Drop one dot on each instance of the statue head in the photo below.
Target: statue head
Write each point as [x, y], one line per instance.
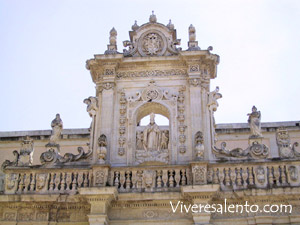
[254, 109]
[152, 118]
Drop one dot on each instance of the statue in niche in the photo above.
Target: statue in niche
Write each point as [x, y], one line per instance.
[139, 140]
[164, 139]
[57, 126]
[151, 135]
[254, 123]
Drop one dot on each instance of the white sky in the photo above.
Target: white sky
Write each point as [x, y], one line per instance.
[44, 46]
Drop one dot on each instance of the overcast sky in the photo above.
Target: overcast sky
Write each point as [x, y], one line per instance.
[44, 46]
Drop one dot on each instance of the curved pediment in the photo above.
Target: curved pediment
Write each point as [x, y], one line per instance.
[152, 39]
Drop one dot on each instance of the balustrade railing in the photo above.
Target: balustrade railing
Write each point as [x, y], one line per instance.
[230, 176]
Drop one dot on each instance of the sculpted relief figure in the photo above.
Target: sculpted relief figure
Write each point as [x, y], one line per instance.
[213, 99]
[254, 122]
[139, 140]
[164, 139]
[57, 126]
[91, 105]
[151, 135]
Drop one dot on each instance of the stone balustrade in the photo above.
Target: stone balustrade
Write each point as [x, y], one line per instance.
[230, 176]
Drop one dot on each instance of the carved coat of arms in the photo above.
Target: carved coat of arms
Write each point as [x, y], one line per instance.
[152, 44]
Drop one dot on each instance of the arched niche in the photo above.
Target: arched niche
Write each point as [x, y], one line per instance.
[161, 156]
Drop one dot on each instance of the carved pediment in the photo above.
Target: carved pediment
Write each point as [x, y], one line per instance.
[152, 39]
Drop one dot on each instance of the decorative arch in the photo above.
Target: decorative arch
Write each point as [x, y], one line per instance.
[154, 157]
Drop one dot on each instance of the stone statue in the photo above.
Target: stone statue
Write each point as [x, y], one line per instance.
[212, 99]
[254, 123]
[152, 134]
[92, 105]
[102, 150]
[57, 126]
[164, 140]
[139, 140]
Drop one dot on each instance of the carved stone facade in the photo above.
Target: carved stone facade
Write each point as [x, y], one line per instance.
[127, 173]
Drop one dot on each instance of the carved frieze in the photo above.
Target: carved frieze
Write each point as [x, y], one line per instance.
[151, 73]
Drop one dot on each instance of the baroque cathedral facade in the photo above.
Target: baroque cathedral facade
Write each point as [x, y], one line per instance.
[121, 172]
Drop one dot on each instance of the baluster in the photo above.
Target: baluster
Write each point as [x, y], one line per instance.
[90, 178]
[270, 175]
[283, 176]
[165, 178]
[232, 176]
[134, 179]
[177, 177]
[171, 179]
[57, 181]
[122, 180]
[245, 176]
[239, 176]
[277, 175]
[80, 179]
[32, 183]
[251, 178]
[139, 183]
[209, 175]
[117, 182]
[21, 183]
[26, 182]
[215, 175]
[74, 182]
[63, 182]
[51, 187]
[128, 181]
[221, 176]
[110, 178]
[68, 181]
[86, 180]
[183, 177]
[227, 178]
[159, 180]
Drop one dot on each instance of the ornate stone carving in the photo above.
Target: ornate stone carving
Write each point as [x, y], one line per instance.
[181, 119]
[260, 175]
[148, 180]
[92, 105]
[24, 158]
[101, 178]
[212, 104]
[286, 149]
[152, 93]
[293, 173]
[199, 174]
[112, 47]
[41, 180]
[57, 126]
[199, 147]
[122, 128]
[151, 73]
[53, 156]
[256, 151]
[254, 123]
[11, 182]
[195, 82]
[106, 86]
[102, 148]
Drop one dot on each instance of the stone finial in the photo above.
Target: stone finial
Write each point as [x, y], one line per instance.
[112, 47]
[192, 44]
[152, 18]
[135, 26]
[170, 25]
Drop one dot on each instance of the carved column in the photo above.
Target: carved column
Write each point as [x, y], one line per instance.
[200, 195]
[100, 199]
